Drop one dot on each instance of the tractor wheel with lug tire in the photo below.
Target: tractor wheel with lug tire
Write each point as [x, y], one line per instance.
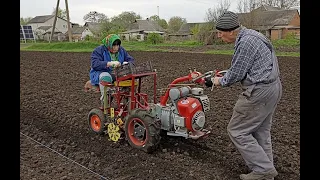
[142, 131]
[97, 121]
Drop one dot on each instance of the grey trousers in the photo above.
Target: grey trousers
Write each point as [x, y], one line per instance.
[250, 125]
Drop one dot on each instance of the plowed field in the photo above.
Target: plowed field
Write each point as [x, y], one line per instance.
[55, 141]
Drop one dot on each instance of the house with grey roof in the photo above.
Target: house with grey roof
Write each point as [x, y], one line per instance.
[93, 28]
[42, 26]
[79, 33]
[275, 23]
[140, 29]
[44, 33]
[186, 31]
[265, 7]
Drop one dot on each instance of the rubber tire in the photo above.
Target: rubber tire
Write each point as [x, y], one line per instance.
[153, 130]
[102, 119]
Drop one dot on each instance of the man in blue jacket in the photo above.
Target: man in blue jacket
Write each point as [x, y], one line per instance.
[105, 58]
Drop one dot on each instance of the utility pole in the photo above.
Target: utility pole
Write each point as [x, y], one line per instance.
[68, 19]
[158, 18]
[54, 21]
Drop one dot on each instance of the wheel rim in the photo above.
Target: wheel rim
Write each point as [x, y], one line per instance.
[95, 122]
[137, 132]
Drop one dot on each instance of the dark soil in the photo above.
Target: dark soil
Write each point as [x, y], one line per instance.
[54, 109]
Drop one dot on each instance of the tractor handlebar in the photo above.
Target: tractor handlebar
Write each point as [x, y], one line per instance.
[209, 73]
[199, 78]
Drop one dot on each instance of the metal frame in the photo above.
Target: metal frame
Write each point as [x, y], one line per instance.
[24, 34]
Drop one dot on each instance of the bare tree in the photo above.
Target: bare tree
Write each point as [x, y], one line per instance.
[62, 13]
[24, 21]
[245, 6]
[247, 16]
[213, 14]
[94, 16]
[285, 4]
[175, 23]
[206, 32]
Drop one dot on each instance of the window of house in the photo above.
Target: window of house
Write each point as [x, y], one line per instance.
[138, 36]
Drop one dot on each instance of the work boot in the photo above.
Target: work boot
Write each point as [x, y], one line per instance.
[259, 175]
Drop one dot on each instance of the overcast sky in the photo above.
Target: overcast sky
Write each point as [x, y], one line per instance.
[192, 10]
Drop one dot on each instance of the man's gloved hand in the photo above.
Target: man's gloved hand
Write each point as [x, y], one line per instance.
[208, 82]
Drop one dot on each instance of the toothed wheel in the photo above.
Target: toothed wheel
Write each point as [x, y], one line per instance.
[113, 132]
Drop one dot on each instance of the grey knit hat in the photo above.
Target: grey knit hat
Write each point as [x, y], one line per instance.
[228, 21]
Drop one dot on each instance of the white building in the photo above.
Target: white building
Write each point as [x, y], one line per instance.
[42, 26]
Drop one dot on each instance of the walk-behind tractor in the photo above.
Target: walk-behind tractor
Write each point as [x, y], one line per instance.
[127, 114]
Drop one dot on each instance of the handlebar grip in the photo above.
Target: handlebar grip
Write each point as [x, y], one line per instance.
[203, 75]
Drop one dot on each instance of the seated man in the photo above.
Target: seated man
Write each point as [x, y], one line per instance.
[104, 59]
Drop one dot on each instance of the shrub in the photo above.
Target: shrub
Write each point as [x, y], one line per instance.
[154, 38]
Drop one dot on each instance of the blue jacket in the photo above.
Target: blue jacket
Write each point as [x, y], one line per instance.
[99, 59]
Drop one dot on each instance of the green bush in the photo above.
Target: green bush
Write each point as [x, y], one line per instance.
[291, 36]
[154, 38]
[87, 38]
[289, 41]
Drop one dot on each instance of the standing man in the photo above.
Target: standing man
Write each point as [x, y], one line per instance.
[255, 65]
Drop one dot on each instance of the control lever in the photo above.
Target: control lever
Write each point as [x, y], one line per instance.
[212, 79]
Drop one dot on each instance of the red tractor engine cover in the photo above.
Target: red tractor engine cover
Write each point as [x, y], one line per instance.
[187, 107]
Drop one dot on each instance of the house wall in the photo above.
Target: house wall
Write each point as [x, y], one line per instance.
[136, 36]
[285, 32]
[133, 36]
[39, 33]
[77, 37]
[86, 32]
[295, 20]
[276, 34]
[282, 33]
[61, 24]
[124, 37]
[56, 37]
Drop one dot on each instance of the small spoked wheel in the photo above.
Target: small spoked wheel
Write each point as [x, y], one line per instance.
[97, 121]
[141, 130]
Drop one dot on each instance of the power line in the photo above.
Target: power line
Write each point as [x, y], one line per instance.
[102, 177]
